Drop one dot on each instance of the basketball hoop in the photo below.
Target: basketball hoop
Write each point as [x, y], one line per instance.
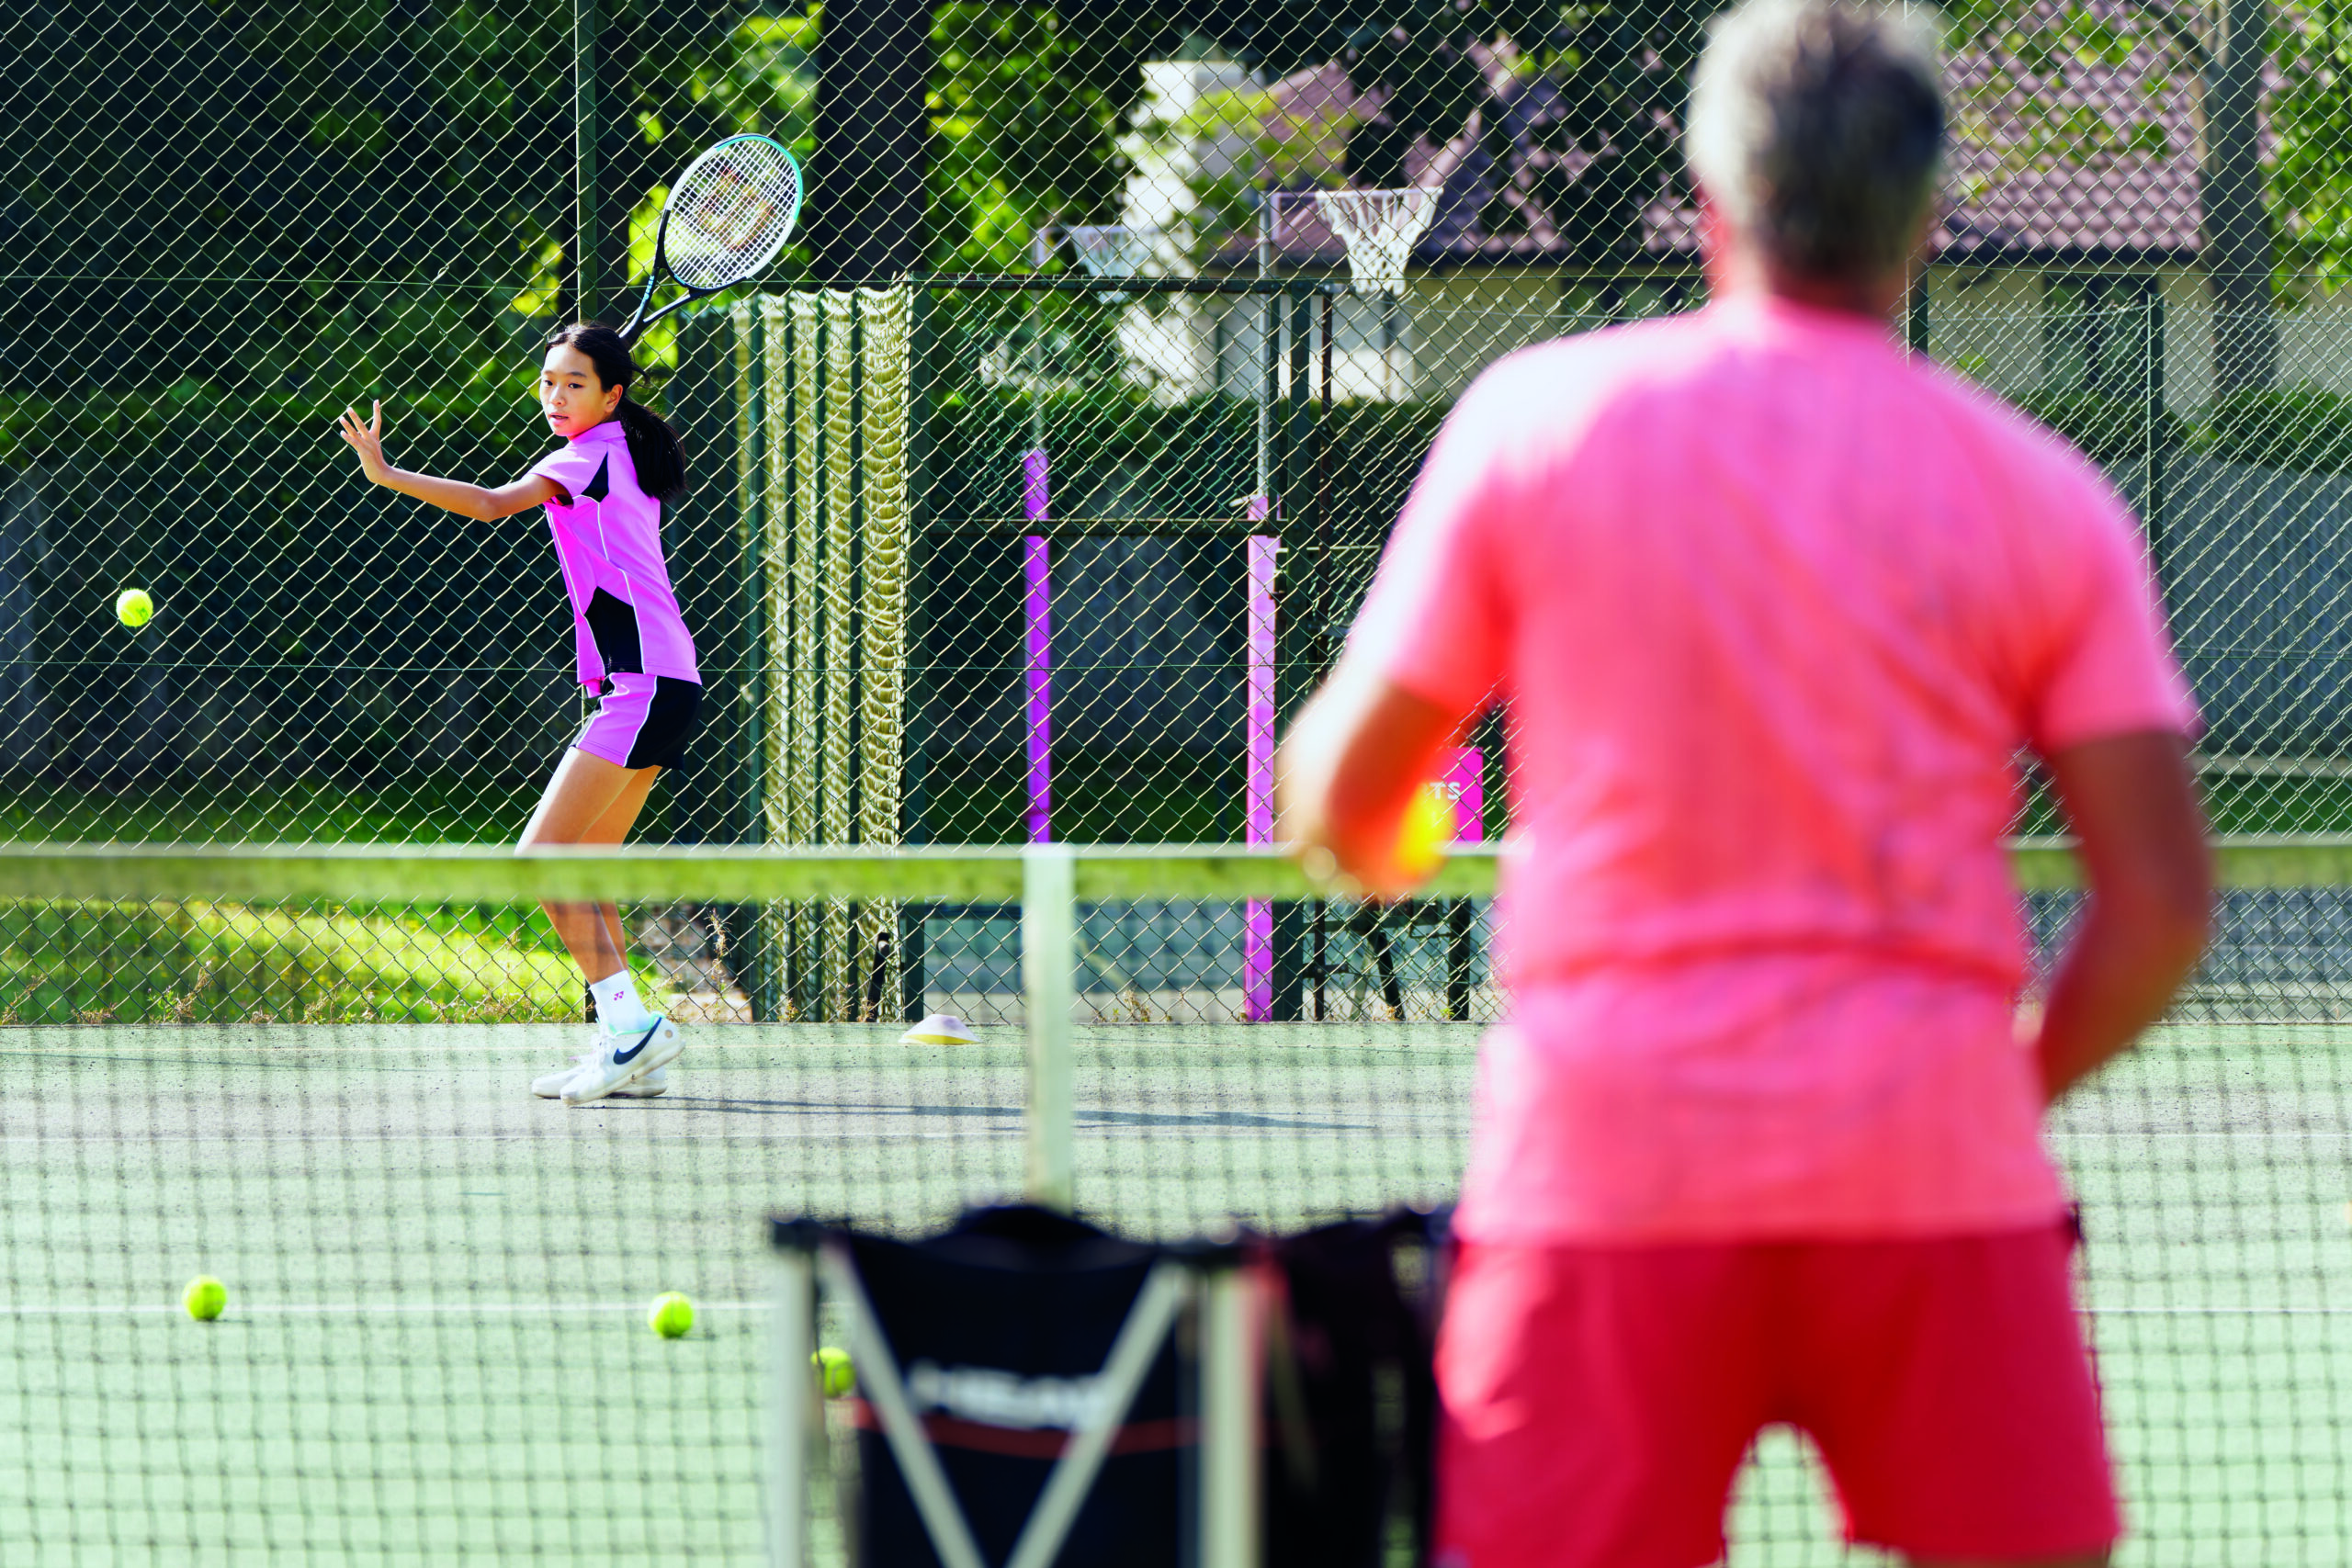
[1379, 228]
[1112, 249]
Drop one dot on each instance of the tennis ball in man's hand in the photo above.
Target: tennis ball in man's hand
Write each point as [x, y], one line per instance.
[1427, 827]
[205, 1299]
[133, 608]
[672, 1316]
[832, 1366]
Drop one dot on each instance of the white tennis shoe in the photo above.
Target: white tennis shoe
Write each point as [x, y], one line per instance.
[622, 1059]
[549, 1085]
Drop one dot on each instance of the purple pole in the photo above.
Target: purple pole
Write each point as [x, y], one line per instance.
[1258, 789]
[1037, 621]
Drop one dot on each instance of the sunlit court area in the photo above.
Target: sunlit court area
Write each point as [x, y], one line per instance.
[1185, 785]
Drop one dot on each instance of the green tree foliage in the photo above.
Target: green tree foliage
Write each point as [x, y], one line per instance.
[2311, 123]
[293, 196]
[1622, 72]
[1028, 103]
[299, 197]
[1599, 138]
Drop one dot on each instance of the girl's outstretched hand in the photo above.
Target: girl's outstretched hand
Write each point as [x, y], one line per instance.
[366, 438]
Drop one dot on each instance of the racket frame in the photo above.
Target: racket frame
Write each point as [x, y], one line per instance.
[639, 320]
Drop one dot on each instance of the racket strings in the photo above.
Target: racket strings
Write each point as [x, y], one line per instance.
[732, 212]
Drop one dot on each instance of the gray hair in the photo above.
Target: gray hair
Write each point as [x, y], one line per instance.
[1819, 127]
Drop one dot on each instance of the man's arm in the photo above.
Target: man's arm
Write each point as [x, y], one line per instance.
[2133, 806]
[1347, 769]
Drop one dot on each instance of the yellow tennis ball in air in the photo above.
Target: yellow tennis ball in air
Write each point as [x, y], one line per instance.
[833, 1367]
[205, 1298]
[672, 1316]
[133, 608]
[1427, 827]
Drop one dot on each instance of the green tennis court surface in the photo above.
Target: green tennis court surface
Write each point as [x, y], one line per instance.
[435, 1347]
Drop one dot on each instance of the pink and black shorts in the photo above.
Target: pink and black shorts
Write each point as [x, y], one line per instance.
[1597, 1400]
[643, 721]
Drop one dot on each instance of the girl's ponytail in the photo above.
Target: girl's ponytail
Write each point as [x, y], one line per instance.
[654, 450]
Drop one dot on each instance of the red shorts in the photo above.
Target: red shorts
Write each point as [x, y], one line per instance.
[1599, 1400]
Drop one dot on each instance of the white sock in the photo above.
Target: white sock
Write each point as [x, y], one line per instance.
[617, 1007]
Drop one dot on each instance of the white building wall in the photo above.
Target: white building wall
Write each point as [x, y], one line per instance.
[1986, 323]
[2315, 342]
[2188, 339]
[1160, 190]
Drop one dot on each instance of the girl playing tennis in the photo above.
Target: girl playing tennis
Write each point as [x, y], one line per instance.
[603, 491]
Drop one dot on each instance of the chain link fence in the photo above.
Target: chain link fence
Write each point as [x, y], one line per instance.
[221, 231]
[1032, 490]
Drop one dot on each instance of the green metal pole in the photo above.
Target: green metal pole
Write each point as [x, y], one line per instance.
[585, 132]
[914, 795]
[753, 930]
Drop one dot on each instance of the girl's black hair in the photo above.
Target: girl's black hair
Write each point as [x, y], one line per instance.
[654, 450]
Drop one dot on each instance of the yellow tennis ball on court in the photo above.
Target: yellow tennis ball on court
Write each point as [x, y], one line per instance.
[206, 1298]
[672, 1316]
[1427, 827]
[133, 608]
[833, 1367]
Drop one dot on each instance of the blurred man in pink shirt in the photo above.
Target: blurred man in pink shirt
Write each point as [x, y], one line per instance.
[1775, 608]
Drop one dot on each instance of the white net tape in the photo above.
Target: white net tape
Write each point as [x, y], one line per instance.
[1379, 228]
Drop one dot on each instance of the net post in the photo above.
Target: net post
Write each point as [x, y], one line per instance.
[1048, 959]
[792, 1342]
[1229, 1438]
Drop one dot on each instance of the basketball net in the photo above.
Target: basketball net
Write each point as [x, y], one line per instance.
[1110, 250]
[1379, 228]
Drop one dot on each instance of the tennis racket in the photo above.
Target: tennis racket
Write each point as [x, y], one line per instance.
[727, 217]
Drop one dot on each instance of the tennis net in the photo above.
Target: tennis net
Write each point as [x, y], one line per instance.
[306, 1071]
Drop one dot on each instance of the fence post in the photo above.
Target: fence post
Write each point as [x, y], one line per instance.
[1048, 958]
[748, 932]
[585, 132]
[914, 795]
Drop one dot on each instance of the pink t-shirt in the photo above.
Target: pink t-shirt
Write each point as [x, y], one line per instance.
[608, 541]
[1774, 607]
